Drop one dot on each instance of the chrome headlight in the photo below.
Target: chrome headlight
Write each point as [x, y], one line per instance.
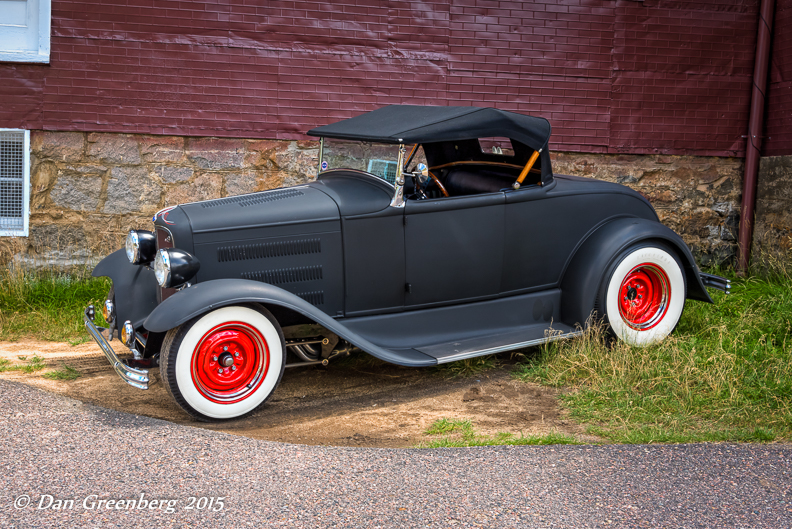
[174, 267]
[140, 246]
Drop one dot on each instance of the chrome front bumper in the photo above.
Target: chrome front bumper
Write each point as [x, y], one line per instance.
[134, 377]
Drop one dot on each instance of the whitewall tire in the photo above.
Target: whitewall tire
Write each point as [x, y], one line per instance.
[643, 296]
[225, 363]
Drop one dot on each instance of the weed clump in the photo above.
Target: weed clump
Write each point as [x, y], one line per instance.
[461, 433]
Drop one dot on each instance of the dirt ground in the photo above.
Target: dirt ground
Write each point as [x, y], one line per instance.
[353, 402]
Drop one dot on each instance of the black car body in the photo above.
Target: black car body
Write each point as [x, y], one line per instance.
[513, 256]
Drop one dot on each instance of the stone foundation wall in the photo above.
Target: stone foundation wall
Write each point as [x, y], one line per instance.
[773, 220]
[696, 196]
[89, 189]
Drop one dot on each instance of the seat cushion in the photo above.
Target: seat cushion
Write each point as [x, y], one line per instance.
[463, 181]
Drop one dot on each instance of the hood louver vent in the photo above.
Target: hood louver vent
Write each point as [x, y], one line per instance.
[266, 250]
[286, 275]
[250, 200]
[314, 298]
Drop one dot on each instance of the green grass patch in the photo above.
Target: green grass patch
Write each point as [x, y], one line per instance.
[48, 305]
[725, 374]
[468, 367]
[67, 373]
[32, 364]
[461, 433]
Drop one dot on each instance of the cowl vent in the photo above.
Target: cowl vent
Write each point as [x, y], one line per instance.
[256, 198]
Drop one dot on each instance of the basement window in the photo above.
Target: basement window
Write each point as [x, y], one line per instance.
[25, 30]
[14, 182]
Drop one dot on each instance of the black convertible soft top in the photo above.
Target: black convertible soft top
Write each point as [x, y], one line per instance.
[430, 124]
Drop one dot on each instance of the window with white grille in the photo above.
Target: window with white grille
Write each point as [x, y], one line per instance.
[25, 30]
[14, 182]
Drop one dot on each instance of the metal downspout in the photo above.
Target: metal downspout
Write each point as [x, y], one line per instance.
[754, 143]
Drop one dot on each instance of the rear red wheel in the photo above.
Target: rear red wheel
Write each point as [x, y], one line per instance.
[644, 294]
[223, 364]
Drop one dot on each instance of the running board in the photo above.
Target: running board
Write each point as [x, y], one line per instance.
[497, 343]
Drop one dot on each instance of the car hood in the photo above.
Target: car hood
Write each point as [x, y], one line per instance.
[279, 207]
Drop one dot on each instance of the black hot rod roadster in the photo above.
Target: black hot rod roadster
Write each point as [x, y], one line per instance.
[432, 234]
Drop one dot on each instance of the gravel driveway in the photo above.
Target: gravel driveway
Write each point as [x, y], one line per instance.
[55, 449]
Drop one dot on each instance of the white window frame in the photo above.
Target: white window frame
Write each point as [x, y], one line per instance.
[25, 188]
[42, 55]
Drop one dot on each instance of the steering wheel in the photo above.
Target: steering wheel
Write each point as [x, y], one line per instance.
[439, 184]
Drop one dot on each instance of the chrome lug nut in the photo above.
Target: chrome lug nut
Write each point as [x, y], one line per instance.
[233, 368]
[236, 354]
[225, 348]
[214, 359]
[220, 371]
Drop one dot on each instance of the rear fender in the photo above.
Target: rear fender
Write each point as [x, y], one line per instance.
[584, 275]
[209, 295]
[135, 287]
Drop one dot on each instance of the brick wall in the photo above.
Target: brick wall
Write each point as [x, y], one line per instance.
[613, 76]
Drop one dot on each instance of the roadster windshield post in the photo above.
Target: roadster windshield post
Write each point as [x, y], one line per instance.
[321, 154]
[398, 194]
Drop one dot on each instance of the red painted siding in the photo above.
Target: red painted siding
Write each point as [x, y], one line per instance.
[779, 92]
[612, 76]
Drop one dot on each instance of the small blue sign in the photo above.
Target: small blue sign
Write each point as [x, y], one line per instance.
[324, 166]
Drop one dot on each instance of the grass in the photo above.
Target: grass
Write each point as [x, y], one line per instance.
[724, 375]
[461, 433]
[48, 305]
[468, 367]
[67, 373]
[35, 363]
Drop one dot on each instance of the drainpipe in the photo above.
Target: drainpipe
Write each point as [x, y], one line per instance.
[754, 143]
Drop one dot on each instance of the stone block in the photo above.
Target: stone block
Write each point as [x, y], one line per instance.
[160, 149]
[171, 174]
[58, 146]
[113, 148]
[240, 183]
[203, 187]
[217, 153]
[131, 189]
[80, 193]
[48, 238]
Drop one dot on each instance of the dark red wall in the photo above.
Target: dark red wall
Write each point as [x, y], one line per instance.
[778, 128]
[612, 76]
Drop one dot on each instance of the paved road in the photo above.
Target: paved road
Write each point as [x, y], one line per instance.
[55, 449]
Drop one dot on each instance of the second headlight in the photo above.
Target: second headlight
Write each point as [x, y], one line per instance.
[140, 246]
[174, 267]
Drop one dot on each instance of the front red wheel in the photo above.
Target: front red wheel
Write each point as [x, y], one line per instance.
[230, 362]
[223, 364]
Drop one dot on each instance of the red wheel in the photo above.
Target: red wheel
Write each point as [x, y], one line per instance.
[223, 364]
[643, 296]
[230, 362]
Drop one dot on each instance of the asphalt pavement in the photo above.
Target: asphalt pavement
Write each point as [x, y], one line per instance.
[69, 464]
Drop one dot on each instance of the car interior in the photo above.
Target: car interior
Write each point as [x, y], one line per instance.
[469, 167]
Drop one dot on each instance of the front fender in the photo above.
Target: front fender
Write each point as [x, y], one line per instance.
[135, 287]
[210, 295]
[584, 274]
